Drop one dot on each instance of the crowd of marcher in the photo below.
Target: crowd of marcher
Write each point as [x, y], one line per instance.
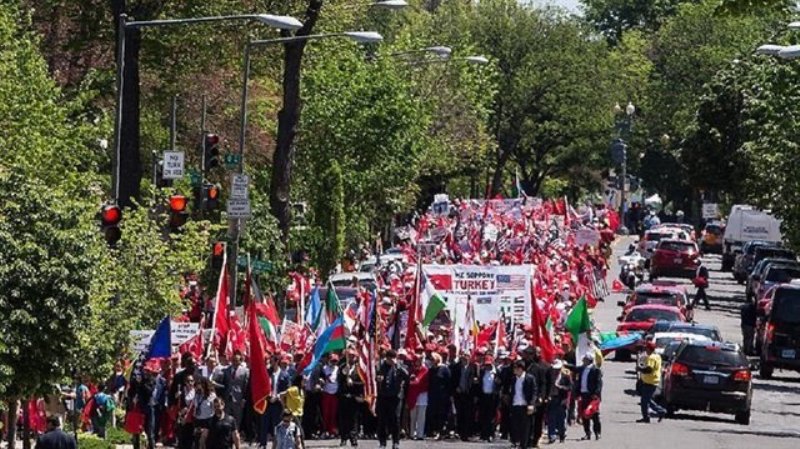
[529, 387]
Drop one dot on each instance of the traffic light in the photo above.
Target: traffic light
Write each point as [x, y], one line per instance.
[217, 255]
[211, 153]
[211, 196]
[177, 211]
[110, 217]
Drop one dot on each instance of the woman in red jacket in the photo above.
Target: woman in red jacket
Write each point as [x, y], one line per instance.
[417, 399]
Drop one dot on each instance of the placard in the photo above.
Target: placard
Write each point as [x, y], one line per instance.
[180, 332]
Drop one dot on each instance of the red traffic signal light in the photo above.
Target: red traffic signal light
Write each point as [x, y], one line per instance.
[211, 153]
[177, 203]
[217, 255]
[212, 193]
[111, 215]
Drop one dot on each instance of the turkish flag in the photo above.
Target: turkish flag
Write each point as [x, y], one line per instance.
[441, 281]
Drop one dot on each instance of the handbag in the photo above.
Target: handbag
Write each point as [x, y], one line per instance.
[591, 409]
[700, 282]
[134, 421]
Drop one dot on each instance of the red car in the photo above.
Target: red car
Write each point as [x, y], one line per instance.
[641, 318]
[663, 293]
[675, 258]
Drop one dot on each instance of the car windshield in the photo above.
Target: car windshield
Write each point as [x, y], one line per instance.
[680, 247]
[782, 275]
[710, 333]
[786, 308]
[655, 236]
[651, 315]
[712, 355]
[663, 298]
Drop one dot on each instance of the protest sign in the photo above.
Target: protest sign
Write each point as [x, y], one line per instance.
[180, 332]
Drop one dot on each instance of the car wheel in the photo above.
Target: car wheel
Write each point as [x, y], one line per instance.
[671, 411]
[743, 418]
[765, 371]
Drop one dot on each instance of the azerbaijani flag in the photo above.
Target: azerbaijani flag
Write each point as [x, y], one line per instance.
[332, 339]
[432, 301]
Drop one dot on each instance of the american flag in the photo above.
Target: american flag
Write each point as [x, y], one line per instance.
[366, 370]
[511, 281]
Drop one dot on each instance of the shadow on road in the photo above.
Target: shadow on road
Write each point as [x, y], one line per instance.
[760, 433]
[792, 388]
[703, 418]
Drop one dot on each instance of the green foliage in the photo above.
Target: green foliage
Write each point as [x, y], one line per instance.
[49, 253]
[92, 441]
[615, 17]
[116, 436]
[330, 217]
[262, 241]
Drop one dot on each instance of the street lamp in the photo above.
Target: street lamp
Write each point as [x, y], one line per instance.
[624, 123]
[438, 50]
[361, 37]
[275, 21]
[769, 49]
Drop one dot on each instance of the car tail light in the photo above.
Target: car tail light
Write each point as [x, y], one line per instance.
[770, 331]
[679, 369]
[742, 376]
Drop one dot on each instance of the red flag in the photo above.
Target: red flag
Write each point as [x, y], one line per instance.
[541, 337]
[193, 345]
[414, 312]
[221, 318]
[617, 286]
[260, 386]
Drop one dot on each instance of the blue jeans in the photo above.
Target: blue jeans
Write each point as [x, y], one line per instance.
[648, 391]
[556, 417]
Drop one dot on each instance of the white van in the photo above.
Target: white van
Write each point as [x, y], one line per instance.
[744, 224]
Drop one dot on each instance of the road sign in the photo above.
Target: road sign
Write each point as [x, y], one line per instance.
[258, 266]
[710, 210]
[238, 207]
[239, 185]
[195, 177]
[232, 160]
[173, 165]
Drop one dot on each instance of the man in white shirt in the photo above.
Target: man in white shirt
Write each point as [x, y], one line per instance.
[523, 400]
[488, 399]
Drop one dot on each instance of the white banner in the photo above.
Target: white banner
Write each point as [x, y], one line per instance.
[587, 236]
[489, 288]
[180, 332]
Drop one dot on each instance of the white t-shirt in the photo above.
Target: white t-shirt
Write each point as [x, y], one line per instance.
[331, 384]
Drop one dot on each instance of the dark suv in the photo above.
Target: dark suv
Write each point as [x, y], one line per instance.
[709, 376]
[778, 333]
[744, 261]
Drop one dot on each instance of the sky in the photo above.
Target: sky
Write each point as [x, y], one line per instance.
[571, 5]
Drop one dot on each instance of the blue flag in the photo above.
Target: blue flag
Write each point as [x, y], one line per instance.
[161, 342]
[321, 345]
[314, 309]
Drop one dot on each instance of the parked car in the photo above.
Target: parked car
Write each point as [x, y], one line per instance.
[712, 377]
[711, 238]
[675, 258]
[743, 263]
[755, 276]
[778, 330]
[774, 274]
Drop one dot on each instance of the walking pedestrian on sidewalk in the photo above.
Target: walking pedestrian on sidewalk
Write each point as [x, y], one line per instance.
[651, 378]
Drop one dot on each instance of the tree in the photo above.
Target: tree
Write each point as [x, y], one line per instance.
[330, 218]
[614, 17]
[49, 253]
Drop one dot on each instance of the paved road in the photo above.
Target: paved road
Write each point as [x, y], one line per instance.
[775, 421]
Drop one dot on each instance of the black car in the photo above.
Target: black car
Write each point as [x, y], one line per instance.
[757, 275]
[712, 377]
[706, 330]
[744, 261]
[778, 333]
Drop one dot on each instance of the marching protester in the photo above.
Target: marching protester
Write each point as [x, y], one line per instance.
[439, 399]
[487, 404]
[350, 392]
[223, 431]
[557, 405]
[523, 404]
[701, 282]
[417, 398]
[390, 379]
[588, 387]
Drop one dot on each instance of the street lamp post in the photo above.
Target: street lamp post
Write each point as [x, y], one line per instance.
[624, 123]
[280, 22]
[361, 37]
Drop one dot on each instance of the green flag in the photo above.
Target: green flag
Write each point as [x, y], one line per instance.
[578, 320]
[332, 304]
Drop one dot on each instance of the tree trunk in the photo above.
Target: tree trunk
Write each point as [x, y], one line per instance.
[288, 118]
[26, 428]
[12, 423]
[130, 162]
[497, 177]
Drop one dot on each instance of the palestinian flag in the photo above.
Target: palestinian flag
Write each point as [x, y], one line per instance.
[432, 300]
[332, 306]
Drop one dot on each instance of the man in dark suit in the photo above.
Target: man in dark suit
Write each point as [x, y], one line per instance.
[541, 372]
[588, 387]
[523, 404]
[55, 438]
